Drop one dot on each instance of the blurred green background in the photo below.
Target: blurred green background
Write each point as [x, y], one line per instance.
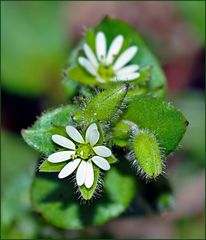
[36, 40]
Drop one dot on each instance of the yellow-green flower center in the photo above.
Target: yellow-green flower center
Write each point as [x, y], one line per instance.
[106, 72]
[84, 151]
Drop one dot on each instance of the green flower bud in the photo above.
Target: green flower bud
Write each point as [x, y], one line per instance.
[104, 106]
[148, 154]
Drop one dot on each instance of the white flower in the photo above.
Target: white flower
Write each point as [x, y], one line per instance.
[102, 65]
[83, 153]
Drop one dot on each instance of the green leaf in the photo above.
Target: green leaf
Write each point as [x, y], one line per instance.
[40, 140]
[33, 46]
[147, 153]
[88, 193]
[55, 117]
[46, 166]
[52, 122]
[54, 199]
[105, 105]
[161, 118]
[144, 58]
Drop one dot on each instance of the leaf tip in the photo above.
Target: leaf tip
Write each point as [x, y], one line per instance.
[186, 123]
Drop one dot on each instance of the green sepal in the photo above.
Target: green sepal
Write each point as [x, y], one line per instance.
[46, 166]
[87, 193]
[79, 74]
[112, 159]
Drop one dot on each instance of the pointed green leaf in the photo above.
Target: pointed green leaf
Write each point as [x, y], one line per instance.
[52, 122]
[56, 117]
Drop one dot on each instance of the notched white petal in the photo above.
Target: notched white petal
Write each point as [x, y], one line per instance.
[114, 49]
[89, 180]
[101, 162]
[92, 137]
[87, 65]
[63, 141]
[74, 134]
[92, 127]
[130, 77]
[101, 46]
[60, 156]
[127, 70]
[81, 173]
[69, 168]
[125, 57]
[102, 151]
[90, 55]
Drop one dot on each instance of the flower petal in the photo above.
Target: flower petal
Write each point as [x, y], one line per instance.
[127, 70]
[60, 156]
[74, 134]
[92, 137]
[101, 162]
[126, 77]
[102, 151]
[114, 49]
[89, 180]
[69, 168]
[81, 173]
[91, 127]
[90, 55]
[63, 141]
[87, 65]
[101, 46]
[125, 57]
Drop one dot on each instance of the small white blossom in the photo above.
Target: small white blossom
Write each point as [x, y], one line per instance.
[83, 152]
[103, 65]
